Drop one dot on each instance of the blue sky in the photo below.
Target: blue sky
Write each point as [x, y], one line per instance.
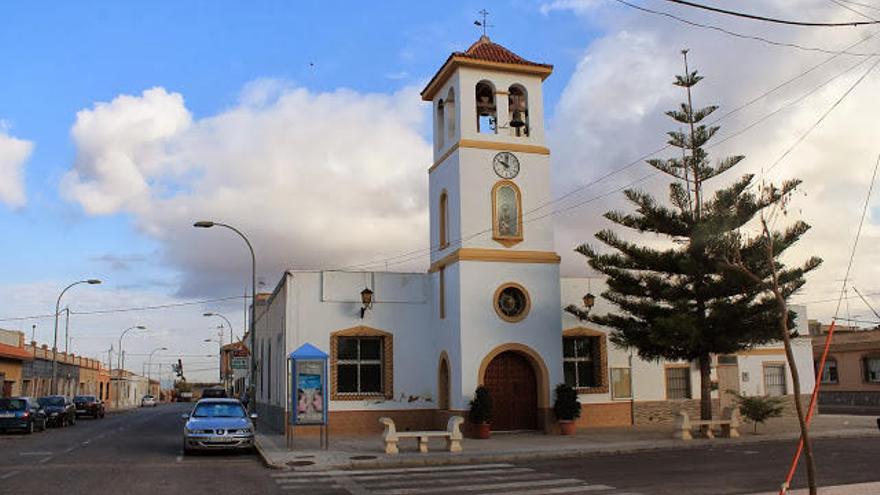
[60, 58]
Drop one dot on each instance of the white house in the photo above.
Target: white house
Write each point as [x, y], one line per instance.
[489, 309]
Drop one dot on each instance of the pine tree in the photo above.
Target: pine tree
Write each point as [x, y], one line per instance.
[683, 302]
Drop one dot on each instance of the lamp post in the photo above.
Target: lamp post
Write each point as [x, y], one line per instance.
[150, 363]
[205, 224]
[90, 281]
[231, 335]
[121, 361]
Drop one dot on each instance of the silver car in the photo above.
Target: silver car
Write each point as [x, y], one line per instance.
[218, 424]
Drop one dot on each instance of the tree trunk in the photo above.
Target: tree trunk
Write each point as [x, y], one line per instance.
[796, 385]
[705, 387]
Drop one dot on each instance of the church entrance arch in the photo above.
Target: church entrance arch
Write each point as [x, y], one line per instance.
[443, 384]
[513, 384]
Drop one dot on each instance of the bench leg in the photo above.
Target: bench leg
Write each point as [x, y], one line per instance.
[732, 432]
[391, 447]
[454, 445]
[423, 444]
[684, 434]
[707, 431]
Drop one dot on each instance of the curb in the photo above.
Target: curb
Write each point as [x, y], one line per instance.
[488, 457]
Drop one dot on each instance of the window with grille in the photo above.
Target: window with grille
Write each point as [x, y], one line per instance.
[872, 369]
[621, 386]
[774, 379]
[580, 361]
[678, 383]
[359, 365]
[829, 373]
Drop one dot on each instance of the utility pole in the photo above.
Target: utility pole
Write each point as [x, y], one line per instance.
[67, 330]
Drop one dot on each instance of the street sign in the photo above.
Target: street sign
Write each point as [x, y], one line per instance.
[239, 363]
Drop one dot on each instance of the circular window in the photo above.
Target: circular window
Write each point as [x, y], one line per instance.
[512, 302]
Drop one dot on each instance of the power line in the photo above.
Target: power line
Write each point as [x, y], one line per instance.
[847, 7]
[771, 19]
[744, 36]
[125, 310]
[872, 7]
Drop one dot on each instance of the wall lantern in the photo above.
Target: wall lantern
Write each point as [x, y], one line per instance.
[366, 300]
[589, 300]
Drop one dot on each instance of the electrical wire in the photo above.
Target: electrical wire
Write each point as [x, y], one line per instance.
[847, 7]
[743, 36]
[872, 7]
[771, 19]
[126, 310]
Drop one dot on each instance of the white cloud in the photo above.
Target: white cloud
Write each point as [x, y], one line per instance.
[14, 153]
[611, 112]
[314, 179]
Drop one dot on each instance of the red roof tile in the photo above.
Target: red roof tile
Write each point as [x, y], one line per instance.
[12, 352]
[486, 49]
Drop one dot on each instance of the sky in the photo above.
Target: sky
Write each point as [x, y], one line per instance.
[300, 123]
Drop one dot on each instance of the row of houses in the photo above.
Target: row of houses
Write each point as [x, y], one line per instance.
[27, 369]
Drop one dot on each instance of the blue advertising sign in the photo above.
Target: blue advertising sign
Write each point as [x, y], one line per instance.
[309, 394]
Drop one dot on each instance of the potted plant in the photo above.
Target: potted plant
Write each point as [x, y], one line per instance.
[566, 408]
[480, 412]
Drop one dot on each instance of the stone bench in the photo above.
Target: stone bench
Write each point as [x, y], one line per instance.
[452, 434]
[728, 425]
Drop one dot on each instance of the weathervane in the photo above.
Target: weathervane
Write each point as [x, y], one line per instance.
[483, 24]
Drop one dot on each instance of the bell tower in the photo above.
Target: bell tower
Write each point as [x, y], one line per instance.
[494, 270]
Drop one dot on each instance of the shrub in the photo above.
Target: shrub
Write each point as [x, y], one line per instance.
[566, 407]
[481, 406]
[758, 409]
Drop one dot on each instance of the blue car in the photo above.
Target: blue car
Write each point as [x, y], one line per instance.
[218, 424]
[21, 413]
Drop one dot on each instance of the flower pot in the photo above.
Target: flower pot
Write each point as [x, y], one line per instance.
[567, 427]
[482, 430]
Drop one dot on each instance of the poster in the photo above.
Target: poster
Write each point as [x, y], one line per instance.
[309, 392]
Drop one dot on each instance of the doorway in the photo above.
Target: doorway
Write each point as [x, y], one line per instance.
[512, 384]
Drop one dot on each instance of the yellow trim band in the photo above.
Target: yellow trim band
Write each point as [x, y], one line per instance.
[496, 255]
[490, 145]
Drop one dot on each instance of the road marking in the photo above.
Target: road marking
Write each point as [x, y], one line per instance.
[36, 453]
[45, 460]
[468, 467]
[8, 475]
[69, 450]
[426, 476]
[86, 442]
[451, 481]
[485, 486]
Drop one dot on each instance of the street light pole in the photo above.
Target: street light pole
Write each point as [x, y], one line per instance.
[54, 384]
[121, 361]
[253, 366]
[150, 365]
[231, 334]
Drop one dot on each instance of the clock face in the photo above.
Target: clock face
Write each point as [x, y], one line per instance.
[506, 165]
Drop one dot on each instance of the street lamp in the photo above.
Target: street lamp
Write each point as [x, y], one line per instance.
[231, 335]
[91, 281]
[121, 360]
[150, 363]
[206, 224]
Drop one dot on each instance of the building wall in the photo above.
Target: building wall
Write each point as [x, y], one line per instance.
[11, 371]
[852, 393]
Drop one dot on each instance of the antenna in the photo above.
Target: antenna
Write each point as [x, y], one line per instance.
[866, 302]
[483, 24]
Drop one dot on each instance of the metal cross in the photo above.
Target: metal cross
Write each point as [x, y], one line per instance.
[483, 23]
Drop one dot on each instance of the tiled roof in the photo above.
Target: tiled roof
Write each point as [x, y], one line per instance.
[485, 53]
[486, 49]
[17, 353]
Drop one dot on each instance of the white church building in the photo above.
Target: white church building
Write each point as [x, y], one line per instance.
[489, 309]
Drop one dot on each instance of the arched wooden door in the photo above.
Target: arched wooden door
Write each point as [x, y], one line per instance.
[513, 385]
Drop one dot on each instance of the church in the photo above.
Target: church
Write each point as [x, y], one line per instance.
[489, 310]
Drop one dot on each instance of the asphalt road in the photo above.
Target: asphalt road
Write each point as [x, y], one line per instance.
[742, 469]
[136, 452]
[139, 452]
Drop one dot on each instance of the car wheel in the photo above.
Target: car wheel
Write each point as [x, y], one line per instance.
[43, 425]
[73, 421]
[30, 428]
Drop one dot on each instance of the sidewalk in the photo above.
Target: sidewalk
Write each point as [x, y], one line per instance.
[366, 451]
[857, 489]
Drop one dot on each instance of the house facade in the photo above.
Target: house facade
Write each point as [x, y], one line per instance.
[489, 309]
[850, 381]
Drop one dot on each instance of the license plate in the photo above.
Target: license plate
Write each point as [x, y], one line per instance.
[222, 439]
[7, 415]
[80, 410]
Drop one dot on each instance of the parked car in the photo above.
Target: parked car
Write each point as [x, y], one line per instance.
[214, 393]
[218, 424]
[59, 410]
[21, 413]
[148, 401]
[88, 405]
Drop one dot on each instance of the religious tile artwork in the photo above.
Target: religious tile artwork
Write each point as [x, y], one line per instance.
[506, 206]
